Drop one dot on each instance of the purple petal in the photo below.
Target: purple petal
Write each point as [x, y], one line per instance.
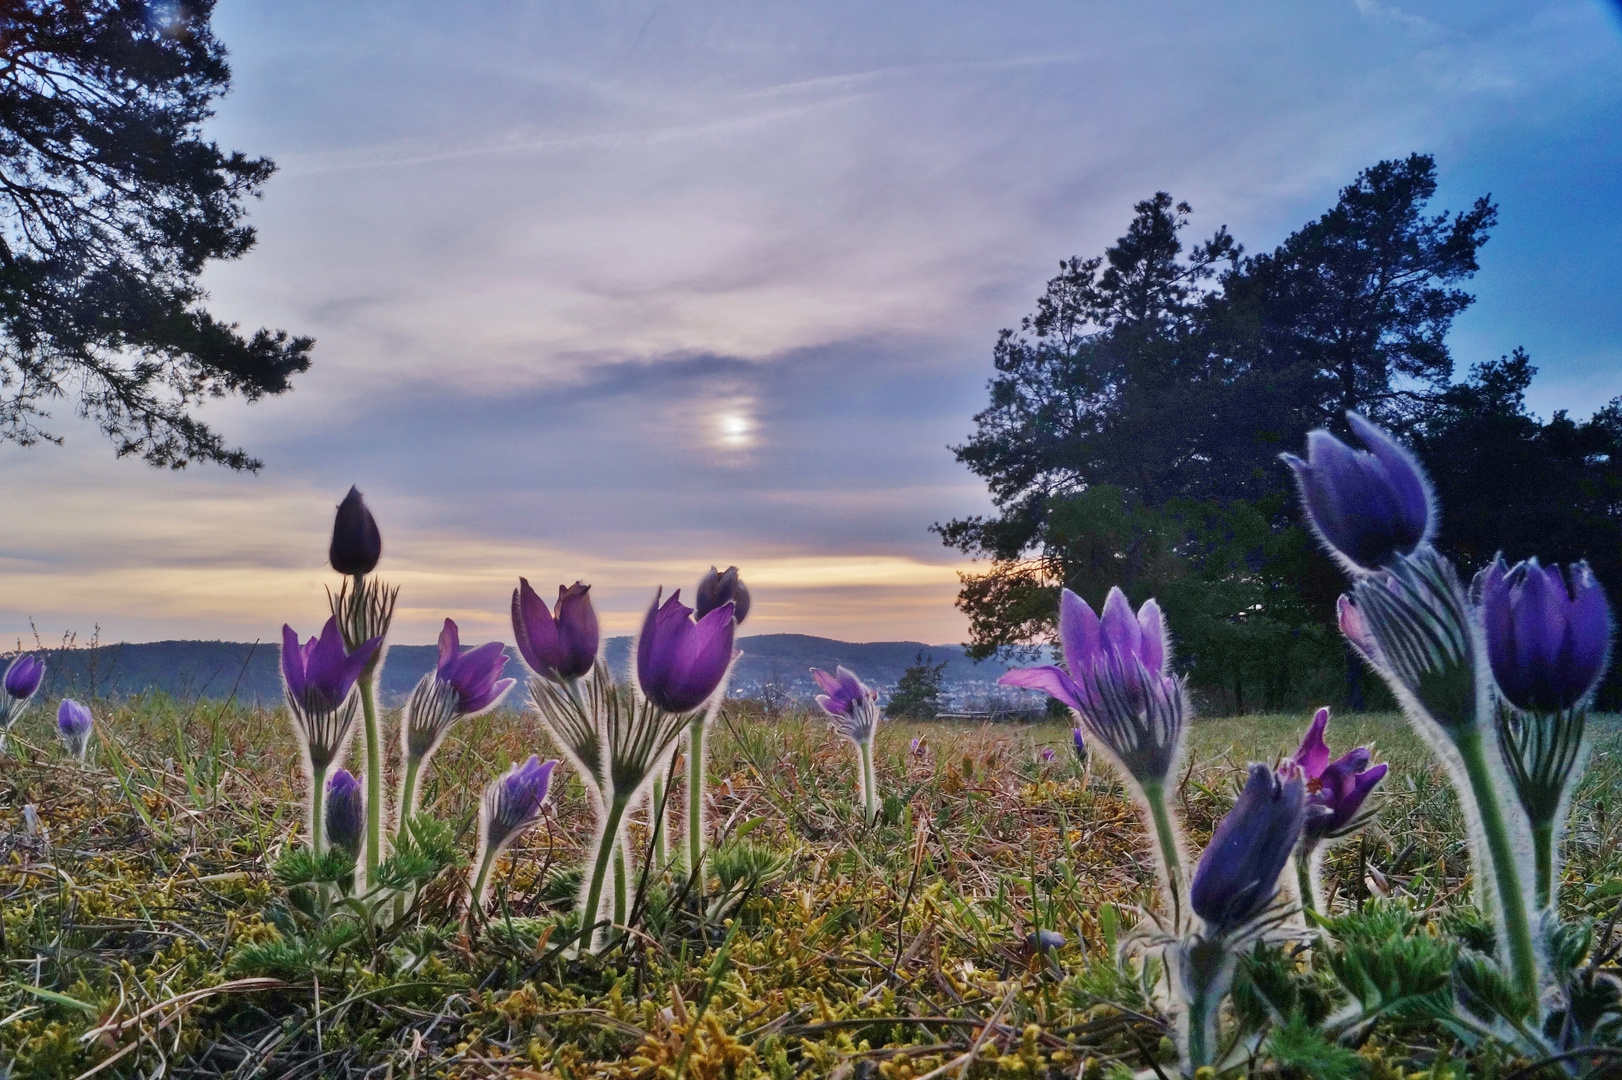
[292, 662]
[450, 646]
[537, 634]
[1079, 633]
[1053, 681]
[1122, 634]
[829, 683]
[1154, 637]
[1313, 754]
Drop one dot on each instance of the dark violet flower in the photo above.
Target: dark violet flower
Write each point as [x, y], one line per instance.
[556, 644]
[74, 724]
[23, 677]
[1048, 754]
[1369, 506]
[1237, 876]
[680, 662]
[320, 679]
[319, 673]
[356, 543]
[1336, 790]
[853, 708]
[512, 803]
[920, 746]
[346, 813]
[719, 588]
[1118, 681]
[475, 675]
[1079, 739]
[1547, 639]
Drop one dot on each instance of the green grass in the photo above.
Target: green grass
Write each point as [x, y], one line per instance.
[145, 924]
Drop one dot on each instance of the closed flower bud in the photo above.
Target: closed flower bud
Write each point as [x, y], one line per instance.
[356, 543]
[719, 588]
[73, 725]
[346, 813]
[1368, 507]
[560, 644]
[23, 677]
[680, 662]
[1237, 876]
[1547, 640]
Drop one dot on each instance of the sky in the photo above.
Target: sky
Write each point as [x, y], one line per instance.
[618, 291]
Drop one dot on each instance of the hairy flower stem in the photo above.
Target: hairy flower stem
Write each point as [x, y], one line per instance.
[870, 787]
[1543, 853]
[374, 780]
[318, 799]
[408, 789]
[1207, 970]
[599, 870]
[656, 811]
[1303, 877]
[1517, 931]
[621, 876]
[1154, 793]
[695, 803]
[475, 900]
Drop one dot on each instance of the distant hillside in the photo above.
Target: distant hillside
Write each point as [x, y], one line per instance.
[252, 673]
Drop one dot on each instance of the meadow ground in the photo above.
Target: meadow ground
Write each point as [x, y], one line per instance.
[145, 928]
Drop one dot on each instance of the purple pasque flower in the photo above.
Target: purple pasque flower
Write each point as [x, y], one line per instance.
[560, 644]
[512, 803]
[1369, 506]
[920, 746]
[23, 677]
[345, 813]
[320, 679]
[319, 673]
[475, 675]
[1548, 632]
[1048, 754]
[853, 708]
[73, 725]
[1118, 682]
[1237, 876]
[719, 588]
[679, 661]
[1336, 790]
[356, 544]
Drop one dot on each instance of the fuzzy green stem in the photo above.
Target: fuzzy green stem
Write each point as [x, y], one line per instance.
[695, 803]
[621, 877]
[374, 780]
[408, 789]
[1543, 852]
[656, 810]
[599, 870]
[1303, 877]
[475, 901]
[318, 798]
[870, 793]
[1517, 931]
[1154, 793]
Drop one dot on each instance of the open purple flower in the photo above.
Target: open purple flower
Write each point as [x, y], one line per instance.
[356, 544]
[1118, 681]
[853, 708]
[1237, 876]
[719, 588]
[319, 673]
[680, 662]
[345, 813]
[1336, 790]
[512, 803]
[560, 644]
[1547, 641]
[1369, 506]
[73, 725]
[475, 675]
[23, 677]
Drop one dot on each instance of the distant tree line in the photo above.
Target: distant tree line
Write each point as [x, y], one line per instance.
[1137, 414]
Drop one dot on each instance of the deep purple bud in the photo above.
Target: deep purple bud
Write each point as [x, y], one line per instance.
[346, 812]
[1118, 681]
[512, 803]
[1370, 506]
[679, 662]
[356, 543]
[1548, 642]
[475, 675]
[1048, 754]
[557, 644]
[1039, 941]
[1237, 876]
[23, 677]
[319, 673]
[1079, 739]
[1336, 790]
[73, 724]
[716, 589]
